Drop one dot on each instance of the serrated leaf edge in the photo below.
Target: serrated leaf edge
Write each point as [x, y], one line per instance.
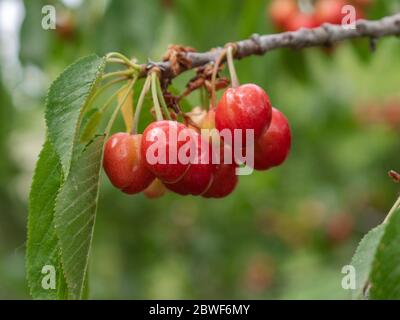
[29, 231]
[373, 259]
[100, 70]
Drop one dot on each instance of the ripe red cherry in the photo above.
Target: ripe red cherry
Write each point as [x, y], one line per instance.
[244, 107]
[273, 147]
[281, 11]
[160, 139]
[225, 178]
[300, 20]
[199, 176]
[329, 11]
[124, 164]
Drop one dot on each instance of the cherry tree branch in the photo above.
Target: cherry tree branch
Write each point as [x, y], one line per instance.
[325, 35]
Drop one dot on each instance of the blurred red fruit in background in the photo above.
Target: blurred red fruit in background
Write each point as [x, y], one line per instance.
[281, 11]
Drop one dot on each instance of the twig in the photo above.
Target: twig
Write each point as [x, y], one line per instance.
[257, 45]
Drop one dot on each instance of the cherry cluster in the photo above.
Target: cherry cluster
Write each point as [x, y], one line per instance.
[287, 16]
[129, 168]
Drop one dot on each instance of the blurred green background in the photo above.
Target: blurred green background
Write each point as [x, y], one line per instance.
[284, 233]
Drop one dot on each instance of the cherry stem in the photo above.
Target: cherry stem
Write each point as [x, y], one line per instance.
[105, 106]
[117, 60]
[120, 58]
[129, 88]
[145, 89]
[214, 78]
[157, 107]
[162, 100]
[104, 88]
[231, 67]
[392, 210]
[205, 102]
[126, 73]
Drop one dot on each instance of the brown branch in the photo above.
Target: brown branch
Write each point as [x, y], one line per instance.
[324, 35]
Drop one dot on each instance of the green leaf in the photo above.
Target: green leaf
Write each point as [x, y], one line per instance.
[385, 275]
[66, 100]
[75, 214]
[42, 243]
[89, 128]
[363, 258]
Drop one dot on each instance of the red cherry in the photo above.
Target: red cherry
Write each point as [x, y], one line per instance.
[199, 176]
[224, 182]
[329, 11]
[225, 178]
[160, 139]
[300, 20]
[124, 164]
[281, 11]
[273, 147]
[244, 107]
